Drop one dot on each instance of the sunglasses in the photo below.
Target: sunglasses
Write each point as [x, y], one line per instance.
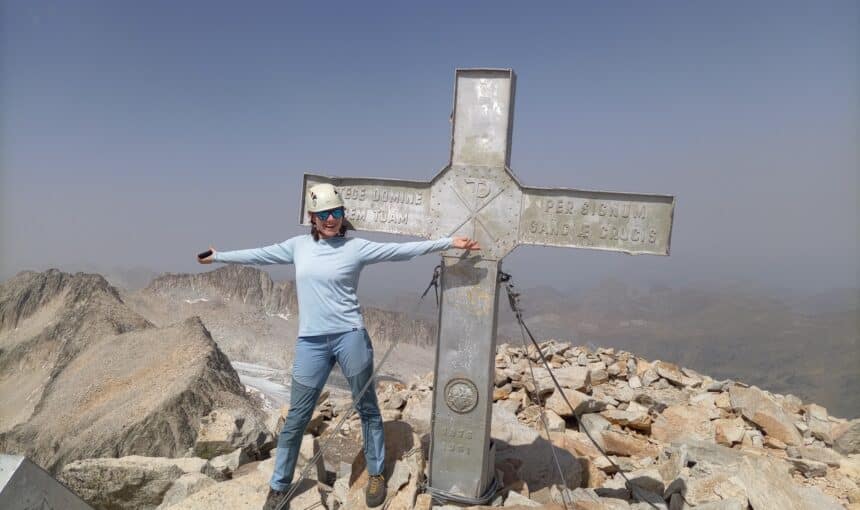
[337, 213]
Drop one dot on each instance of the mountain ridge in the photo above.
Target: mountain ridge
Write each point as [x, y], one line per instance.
[83, 375]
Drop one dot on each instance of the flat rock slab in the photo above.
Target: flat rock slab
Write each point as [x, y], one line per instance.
[117, 483]
[26, 486]
[760, 409]
[247, 493]
[682, 422]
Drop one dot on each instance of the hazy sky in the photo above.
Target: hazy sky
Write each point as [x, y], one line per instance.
[136, 133]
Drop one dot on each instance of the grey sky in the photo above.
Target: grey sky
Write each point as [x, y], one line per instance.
[135, 135]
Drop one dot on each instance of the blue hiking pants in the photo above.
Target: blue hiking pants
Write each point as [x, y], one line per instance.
[314, 359]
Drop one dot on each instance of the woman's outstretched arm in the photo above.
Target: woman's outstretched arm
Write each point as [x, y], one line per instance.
[280, 253]
[371, 253]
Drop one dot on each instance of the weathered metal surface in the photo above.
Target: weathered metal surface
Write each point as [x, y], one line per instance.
[625, 222]
[477, 202]
[460, 456]
[26, 486]
[483, 117]
[380, 205]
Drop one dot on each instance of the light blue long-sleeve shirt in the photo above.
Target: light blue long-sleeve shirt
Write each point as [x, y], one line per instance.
[327, 274]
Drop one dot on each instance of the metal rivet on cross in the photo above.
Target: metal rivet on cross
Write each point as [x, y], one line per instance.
[477, 196]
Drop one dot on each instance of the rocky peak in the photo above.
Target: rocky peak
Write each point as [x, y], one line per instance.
[81, 374]
[26, 292]
[244, 284]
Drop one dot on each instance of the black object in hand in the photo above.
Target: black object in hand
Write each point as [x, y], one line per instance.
[204, 254]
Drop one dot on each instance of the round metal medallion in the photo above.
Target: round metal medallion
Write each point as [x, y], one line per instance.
[461, 395]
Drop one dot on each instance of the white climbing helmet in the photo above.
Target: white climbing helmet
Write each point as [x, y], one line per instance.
[322, 197]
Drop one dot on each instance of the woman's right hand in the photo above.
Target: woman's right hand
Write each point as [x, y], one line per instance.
[210, 259]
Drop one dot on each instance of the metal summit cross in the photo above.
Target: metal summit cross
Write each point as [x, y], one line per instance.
[477, 195]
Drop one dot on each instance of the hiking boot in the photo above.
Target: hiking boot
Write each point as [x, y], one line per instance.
[274, 498]
[375, 493]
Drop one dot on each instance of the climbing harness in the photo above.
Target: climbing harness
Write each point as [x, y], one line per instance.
[434, 282]
[513, 301]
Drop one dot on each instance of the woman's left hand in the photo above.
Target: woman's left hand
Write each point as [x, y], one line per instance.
[465, 243]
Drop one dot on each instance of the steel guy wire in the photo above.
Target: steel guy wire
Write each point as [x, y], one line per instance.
[513, 300]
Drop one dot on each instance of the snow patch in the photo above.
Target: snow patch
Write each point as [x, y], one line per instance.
[285, 316]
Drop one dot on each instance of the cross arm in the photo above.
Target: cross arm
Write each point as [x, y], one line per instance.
[379, 205]
[624, 222]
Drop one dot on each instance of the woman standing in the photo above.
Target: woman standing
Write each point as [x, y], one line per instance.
[331, 328]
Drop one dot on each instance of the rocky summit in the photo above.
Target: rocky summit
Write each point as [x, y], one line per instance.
[131, 412]
[642, 434]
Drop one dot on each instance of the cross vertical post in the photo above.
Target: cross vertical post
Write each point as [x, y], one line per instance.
[461, 457]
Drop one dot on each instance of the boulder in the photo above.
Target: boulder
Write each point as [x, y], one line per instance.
[850, 467]
[757, 407]
[423, 502]
[395, 401]
[572, 377]
[128, 482]
[768, 485]
[772, 442]
[723, 401]
[812, 497]
[405, 481]
[227, 463]
[506, 427]
[619, 443]
[185, 486]
[707, 402]
[502, 392]
[599, 376]
[673, 464]
[808, 468]
[581, 403]
[649, 480]
[816, 453]
[554, 422]
[224, 430]
[683, 422]
[729, 431]
[847, 440]
[593, 425]
[819, 429]
[579, 444]
[516, 499]
[706, 452]
[673, 374]
[709, 483]
[649, 377]
[417, 411]
[634, 417]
